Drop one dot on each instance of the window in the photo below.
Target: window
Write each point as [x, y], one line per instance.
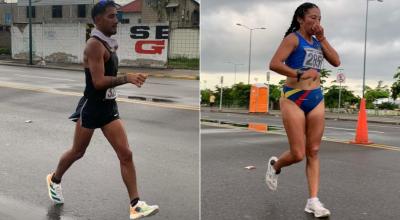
[81, 11]
[33, 11]
[152, 3]
[57, 11]
[195, 18]
[125, 21]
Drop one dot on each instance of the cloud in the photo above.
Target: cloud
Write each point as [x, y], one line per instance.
[343, 21]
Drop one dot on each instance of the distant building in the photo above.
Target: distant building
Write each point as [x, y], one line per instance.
[390, 100]
[131, 13]
[6, 11]
[54, 11]
[179, 13]
[60, 29]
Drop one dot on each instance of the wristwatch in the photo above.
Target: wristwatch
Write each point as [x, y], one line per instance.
[299, 72]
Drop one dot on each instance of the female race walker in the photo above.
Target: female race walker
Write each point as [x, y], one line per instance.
[300, 57]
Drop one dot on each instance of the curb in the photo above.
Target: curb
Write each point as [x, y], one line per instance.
[372, 121]
[327, 118]
[156, 75]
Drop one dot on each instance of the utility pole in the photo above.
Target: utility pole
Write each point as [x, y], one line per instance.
[30, 33]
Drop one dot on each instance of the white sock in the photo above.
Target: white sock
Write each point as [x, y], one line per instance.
[311, 200]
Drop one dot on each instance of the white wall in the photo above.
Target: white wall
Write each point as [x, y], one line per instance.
[65, 43]
[56, 43]
[184, 43]
[128, 55]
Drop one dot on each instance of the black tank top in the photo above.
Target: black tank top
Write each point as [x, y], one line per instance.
[110, 68]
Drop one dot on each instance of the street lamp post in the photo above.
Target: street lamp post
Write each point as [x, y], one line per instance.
[365, 45]
[251, 33]
[220, 97]
[235, 68]
[340, 71]
[30, 31]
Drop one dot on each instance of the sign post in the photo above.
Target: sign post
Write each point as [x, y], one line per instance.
[341, 79]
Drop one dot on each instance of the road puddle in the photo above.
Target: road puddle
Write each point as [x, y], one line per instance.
[159, 100]
[252, 126]
[12, 209]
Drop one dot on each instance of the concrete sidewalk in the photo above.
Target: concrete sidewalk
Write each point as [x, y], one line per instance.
[328, 115]
[153, 72]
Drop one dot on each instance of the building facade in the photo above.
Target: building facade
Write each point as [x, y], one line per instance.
[179, 13]
[61, 28]
[54, 11]
[131, 13]
[6, 12]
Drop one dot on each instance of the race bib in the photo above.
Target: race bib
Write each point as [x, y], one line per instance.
[313, 58]
[111, 93]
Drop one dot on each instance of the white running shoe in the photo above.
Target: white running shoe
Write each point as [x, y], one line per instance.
[54, 190]
[271, 178]
[317, 208]
[141, 209]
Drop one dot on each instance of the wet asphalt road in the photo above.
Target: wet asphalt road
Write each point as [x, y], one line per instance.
[386, 134]
[357, 182]
[168, 90]
[165, 150]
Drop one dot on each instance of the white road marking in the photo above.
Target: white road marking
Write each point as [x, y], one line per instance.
[126, 100]
[221, 130]
[44, 77]
[350, 129]
[380, 146]
[384, 126]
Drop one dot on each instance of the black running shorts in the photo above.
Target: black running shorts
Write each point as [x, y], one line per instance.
[95, 113]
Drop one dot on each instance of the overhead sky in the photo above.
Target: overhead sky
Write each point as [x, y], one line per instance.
[122, 2]
[343, 20]
[127, 1]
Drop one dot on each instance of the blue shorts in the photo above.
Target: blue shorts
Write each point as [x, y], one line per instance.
[307, 100]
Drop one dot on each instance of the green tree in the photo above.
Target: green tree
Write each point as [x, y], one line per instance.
[240, 94]
[396, 85]
[387, 105]
[331, 97]
[227, 100]
[205, 96]
[282, 83]
[395, 90]
[372, 95]
[380, 86]
[274, 95]
[324, 75]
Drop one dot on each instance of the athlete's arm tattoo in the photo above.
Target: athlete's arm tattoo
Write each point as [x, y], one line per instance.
[119, 80]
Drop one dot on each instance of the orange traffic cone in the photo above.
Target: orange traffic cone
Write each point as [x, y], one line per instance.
[362, 126]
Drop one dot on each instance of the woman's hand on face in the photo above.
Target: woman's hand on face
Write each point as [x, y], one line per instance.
[318, 31]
